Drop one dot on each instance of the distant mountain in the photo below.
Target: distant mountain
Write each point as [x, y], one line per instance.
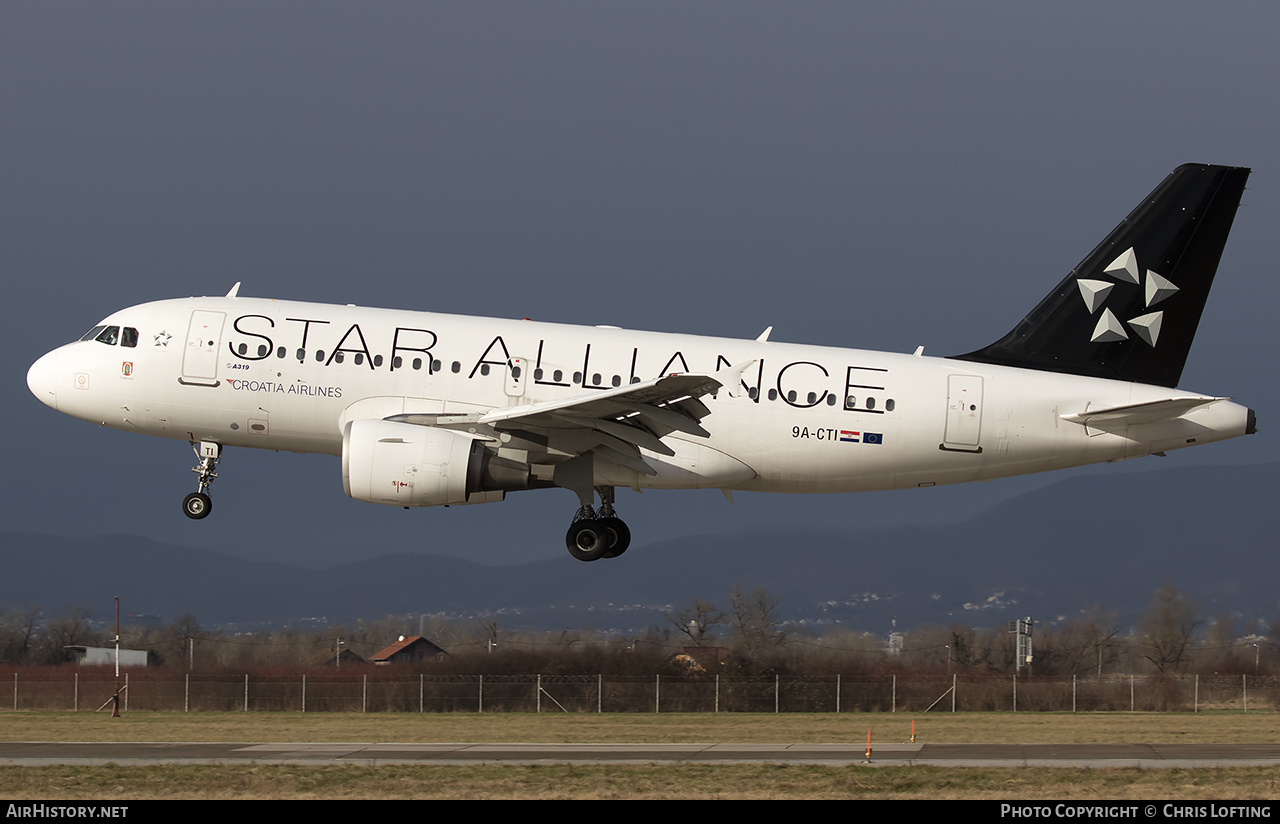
[1110, 539]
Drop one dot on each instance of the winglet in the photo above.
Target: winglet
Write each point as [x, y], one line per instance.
[730, 378]
[764, 336]
[234, 289]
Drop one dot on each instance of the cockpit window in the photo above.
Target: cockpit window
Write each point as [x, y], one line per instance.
[109, 336]
[92, 333]
[129, 336]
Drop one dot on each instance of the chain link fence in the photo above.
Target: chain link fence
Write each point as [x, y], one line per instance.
[389, 691]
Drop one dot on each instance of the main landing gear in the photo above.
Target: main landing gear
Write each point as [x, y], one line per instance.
[198, 505]
[598, 533]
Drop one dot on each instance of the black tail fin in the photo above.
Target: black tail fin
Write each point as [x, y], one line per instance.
[1130, 309]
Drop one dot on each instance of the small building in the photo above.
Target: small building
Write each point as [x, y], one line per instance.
[702, 659]
[344, 657]
[106, 656]
[408, 650]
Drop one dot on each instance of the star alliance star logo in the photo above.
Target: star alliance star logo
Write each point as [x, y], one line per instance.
[162, 339]
[1125, 269]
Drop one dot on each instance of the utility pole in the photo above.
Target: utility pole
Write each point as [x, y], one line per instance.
[115, 699]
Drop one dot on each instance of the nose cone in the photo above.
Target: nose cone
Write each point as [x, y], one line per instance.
[42, 379]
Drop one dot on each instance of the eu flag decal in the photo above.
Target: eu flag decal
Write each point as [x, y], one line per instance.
[872, 437]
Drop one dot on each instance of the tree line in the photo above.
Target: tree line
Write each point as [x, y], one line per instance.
[746, 633]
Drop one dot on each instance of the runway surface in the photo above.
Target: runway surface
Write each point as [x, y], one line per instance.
[37, 753]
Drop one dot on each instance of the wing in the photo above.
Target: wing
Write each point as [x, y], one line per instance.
[614, 423]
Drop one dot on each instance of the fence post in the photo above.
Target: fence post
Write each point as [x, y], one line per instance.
[538, 694]
[126, 692]
[1015, 691]
[364, 693]
[1133, 704]
[422, 685]
[717, 691]
[246, 692]
[304, 692]
[1197, 693]
[837, 693]
[15, 691]
[186, 693]
[657, 692]
[953, 691]
[480, 696]
[894, 695]
[75, 694]
[777, 690]
[599, 693]
[1073, 692]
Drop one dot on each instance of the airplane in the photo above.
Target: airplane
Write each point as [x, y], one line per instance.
[429, 409]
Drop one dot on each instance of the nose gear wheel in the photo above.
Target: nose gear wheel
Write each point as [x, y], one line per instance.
[198, 504]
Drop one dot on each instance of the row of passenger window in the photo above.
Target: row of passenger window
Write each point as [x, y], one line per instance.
[869, 404]
[435, 365]
[850, 401]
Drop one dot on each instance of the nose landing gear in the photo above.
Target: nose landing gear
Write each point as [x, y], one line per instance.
[198, 505]
[598, 534]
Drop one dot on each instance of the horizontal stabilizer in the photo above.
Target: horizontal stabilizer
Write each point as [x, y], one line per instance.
[1135, 413]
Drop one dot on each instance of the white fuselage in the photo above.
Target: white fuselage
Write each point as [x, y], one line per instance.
[288, 376]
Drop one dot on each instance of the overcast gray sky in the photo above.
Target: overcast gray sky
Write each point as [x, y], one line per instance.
[872, 175]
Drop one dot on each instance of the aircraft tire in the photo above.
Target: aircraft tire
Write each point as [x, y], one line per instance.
[585, 540]
[617, 536]
[197, 505]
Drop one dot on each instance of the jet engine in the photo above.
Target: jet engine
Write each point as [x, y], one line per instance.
[403, 464]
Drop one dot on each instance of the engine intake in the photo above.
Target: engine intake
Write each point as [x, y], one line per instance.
[402, 464]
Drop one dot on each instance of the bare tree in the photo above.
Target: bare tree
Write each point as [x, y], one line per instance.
[697, 621]
[971, 648]
[1085, 643]
[72, 629]
[17, 633]
[1166, 628]
[754, 618]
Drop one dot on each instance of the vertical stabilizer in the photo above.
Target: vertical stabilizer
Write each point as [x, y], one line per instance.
[1130, 309]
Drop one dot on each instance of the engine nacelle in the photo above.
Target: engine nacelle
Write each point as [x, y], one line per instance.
[402, 464]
